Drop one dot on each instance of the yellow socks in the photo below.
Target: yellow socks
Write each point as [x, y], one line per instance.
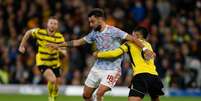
[55, 91]
[50, 88]
[52, 91]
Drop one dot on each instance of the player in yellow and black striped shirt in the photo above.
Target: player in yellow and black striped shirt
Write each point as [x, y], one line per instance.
[145, 77]
[47, 58]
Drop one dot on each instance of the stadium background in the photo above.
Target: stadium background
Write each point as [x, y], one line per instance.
[174, 26]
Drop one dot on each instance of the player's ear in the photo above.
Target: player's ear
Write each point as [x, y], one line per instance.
[134, 34]
[99, 19]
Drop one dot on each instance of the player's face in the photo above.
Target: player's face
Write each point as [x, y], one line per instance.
[94, 22]
[138, 34]
[52, 25]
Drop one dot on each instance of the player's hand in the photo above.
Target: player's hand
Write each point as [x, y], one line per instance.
[95, 54]
[52, 46]
[21, 49]
[148, 54]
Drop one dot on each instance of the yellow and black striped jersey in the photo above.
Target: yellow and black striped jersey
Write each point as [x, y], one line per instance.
[47, 56]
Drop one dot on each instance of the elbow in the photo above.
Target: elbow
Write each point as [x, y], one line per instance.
[64, 54]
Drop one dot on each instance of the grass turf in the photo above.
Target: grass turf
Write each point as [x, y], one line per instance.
[12, 97]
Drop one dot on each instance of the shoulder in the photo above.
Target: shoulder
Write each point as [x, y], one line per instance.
[59, 34]
[92, 33]
[34, 29]
[147, 44]
[44, 31]
[128, 43]
[111, 27]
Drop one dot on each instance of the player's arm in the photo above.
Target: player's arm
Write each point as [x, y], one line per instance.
[69, 44]
[62, 50]
[74, 43]
[148, 53]
[86, 39]
[135, 40]
[111, 53]
[24, 40]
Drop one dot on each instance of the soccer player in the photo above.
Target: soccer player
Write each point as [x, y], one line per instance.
[105, 72]
[47, 58]
[145, 77]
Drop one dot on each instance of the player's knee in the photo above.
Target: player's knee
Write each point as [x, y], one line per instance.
[100, 93]
[58, 81]
[134, 98]
[53, 80]
[86, 95]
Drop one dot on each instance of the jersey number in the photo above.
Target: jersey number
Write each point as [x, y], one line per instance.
[110, 78]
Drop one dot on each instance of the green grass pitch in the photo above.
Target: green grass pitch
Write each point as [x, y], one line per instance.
[12, 97]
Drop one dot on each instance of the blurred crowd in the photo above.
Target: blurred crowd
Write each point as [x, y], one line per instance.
[174, 26]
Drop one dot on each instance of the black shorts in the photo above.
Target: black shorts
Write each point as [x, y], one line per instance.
[146, 83]
[56, 71]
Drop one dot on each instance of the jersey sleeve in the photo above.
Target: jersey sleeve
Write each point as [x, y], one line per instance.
[113, 53]
[89, 38]
[148, 45]
[34, 32]
[118, 33]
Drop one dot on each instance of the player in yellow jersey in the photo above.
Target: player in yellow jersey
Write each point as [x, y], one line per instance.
[145, 77]
[47, 59]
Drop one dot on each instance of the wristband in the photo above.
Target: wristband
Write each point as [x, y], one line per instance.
[144, 48]
[69, 44]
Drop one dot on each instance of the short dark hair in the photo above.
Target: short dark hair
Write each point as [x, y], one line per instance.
[143, 31]
[97, 12]
[53, 17]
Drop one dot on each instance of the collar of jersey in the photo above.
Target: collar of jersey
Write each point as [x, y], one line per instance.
[105, 29]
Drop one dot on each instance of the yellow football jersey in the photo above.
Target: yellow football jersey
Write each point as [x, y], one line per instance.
[45, 55]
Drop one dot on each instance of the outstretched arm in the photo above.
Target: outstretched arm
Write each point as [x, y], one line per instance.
[74, 43]
[111, 53]
[24, 40]
[62, 50]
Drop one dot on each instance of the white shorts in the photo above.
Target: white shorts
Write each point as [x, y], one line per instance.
[104, 77]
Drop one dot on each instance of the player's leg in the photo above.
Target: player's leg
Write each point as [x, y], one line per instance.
[108, 80]
[55, 92]
[87, 93]
[132, 98]
[101, 91]
[91, 84]
[56, 87]
[135, 95]
[51, 78]
[137, 88]
[155, 98]
[155, 87]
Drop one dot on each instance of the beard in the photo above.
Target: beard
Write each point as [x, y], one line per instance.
[98, 28]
